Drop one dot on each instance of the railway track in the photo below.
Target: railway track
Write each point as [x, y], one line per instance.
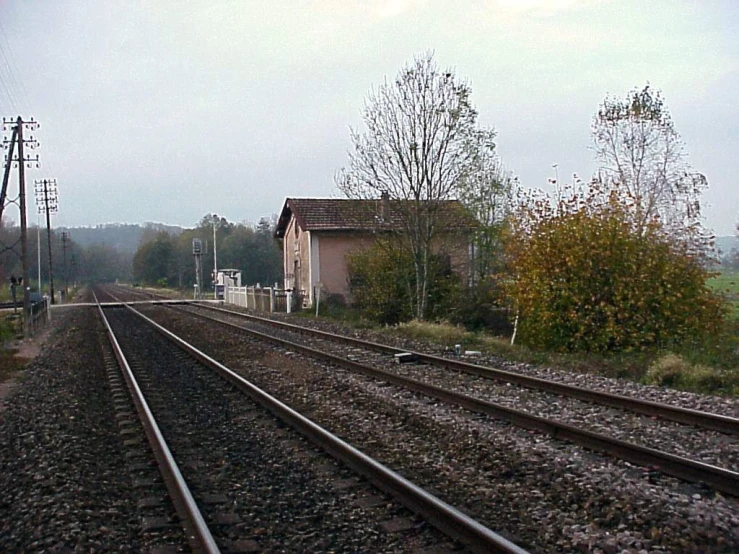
[223, 421]
[716, 422]
[724, 479]
[717, 469]
[547, 495]
[728, 424]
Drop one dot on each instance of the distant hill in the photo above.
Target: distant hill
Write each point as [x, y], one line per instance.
[123, 237]
[725, 244]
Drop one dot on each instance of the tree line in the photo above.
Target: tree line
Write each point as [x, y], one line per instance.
[615, 262]
[161, 255]
[72, 262]
[166, 259]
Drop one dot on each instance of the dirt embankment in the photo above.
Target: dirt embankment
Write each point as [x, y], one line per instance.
[14, 358]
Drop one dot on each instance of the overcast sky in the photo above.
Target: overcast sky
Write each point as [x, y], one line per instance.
[167, 110]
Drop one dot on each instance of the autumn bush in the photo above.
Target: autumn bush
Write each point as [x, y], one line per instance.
[587, 277]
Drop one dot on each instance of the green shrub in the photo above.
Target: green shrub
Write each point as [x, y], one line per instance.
[382, 284]
[8, 328]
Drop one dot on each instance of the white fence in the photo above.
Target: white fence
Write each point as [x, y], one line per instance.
[260, 299]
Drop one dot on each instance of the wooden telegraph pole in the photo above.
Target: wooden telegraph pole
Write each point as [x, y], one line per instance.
[46, 198]
[20, 161]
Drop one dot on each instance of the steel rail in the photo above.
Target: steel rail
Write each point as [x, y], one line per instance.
[196, 529]
[441, 515]
[707, 420]
[721, 479]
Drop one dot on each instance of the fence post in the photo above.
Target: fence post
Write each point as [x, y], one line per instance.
[271, 299]
[289, 296]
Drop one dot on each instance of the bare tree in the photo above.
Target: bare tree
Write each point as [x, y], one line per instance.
[638, 149]
[414, 150]
[487, 189]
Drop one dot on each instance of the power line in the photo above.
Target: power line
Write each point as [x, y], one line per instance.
[15, 80]
[8, 94]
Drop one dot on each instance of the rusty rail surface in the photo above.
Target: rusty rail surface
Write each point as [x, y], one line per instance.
[721, 479]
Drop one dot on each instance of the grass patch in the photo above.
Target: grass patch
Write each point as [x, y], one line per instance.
[674, 371]
[727, 284]
[439, 333]
[338, 312]
[726, 281]
[9, 362]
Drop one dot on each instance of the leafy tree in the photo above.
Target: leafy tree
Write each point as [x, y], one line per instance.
[587, 274]
[268, 262]
[255, 252]
[153, 261]
[639, 150]
[165, 256]
[92, 263]
[416, 150]
[379, 281]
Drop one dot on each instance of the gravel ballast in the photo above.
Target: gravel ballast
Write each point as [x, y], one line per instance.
[709, 447]
[548, 495]
[64, 486]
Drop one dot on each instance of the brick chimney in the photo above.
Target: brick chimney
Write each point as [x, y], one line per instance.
[384, 207]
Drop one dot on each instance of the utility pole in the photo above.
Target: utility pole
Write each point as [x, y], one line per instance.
[10, 145]
[38, 248]
[215, 260]
[197, 252]
[65, 241]
[20, 162]
[46, 197]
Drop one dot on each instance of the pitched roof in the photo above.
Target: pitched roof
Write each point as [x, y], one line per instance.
[337, 214]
